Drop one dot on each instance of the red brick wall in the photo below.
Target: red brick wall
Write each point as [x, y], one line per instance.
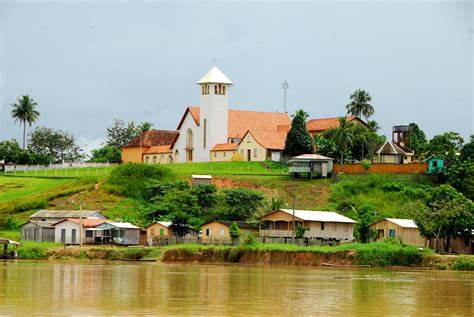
[356, 168]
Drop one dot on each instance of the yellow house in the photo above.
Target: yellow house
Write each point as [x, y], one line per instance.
[223, 152]
[161, 154]
[404, 229]
[152, 140]
[262, 145]
[218, 230]
[162, 229]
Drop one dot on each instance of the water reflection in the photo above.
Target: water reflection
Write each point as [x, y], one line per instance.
[191, 289]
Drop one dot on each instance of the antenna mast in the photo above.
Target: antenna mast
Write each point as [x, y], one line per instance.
[285, 86]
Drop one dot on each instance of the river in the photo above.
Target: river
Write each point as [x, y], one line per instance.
[130, 288]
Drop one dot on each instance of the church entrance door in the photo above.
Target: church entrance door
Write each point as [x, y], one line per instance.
[189, 154]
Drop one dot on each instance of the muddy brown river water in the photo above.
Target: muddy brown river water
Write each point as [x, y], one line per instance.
[29, 288]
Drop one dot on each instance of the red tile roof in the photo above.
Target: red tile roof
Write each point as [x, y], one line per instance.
[195, 113]
[271, 140]
[158, 149]
[86, 223]
[154, 138]
[225, 147]
[323, 124]
[240, 121]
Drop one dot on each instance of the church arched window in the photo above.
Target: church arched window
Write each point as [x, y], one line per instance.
[189, 138]
[223, 89]
[215, 90]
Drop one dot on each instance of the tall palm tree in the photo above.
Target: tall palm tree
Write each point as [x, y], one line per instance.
[344, 136]
[359, 104]
[24, 110]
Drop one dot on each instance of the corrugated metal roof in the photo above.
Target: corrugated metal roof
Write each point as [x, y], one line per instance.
[122, 225]
[67, 214]
[321, 216]
[215, 76]
[404, 223]
[164, 223]
[310, 157]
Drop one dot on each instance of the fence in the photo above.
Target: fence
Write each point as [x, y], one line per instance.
[383, 168]
[162, 241]
[64, 169]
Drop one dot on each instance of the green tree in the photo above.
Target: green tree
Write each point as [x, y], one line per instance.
[365, 216]
[119, 134]
[145, 126]
[179, 224]
[234, 230]
[206, 195]
[105, 154]
[10, 151]
[359, 104]
[300, 230]
[460, 175]
[242, 203]
[445, 145]
[298, 141]
[343, 137]
[24, 110]
[57, 144]
[467, 151]
[418, 141]
[448, 214]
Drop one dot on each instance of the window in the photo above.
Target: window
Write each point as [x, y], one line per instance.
[162, 232]
[215, 90]
[391, 233]
[154, 159]
[63, 235]
[89, 234]
[189, 138]
[215, 154]
[435, 164]
[223, 89]
[73, 235]
[224, 153]
[254, 152]
[221, 233]
[322, 226]
[208, 232]
[204, 133]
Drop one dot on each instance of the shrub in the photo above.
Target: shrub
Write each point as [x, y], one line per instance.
[300, 231]
[464, 263]
[249, 239]
[234, 231]
[131, 179]
[366, 164]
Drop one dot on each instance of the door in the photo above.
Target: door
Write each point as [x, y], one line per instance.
[73, 236]
[63, 235]
[249, 155]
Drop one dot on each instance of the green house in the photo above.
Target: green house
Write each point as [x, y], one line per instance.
[435, 164]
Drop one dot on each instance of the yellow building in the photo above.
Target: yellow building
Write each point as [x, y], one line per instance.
[404, 229]
[223, 152]
[218, 230]
[150, 144]
[161, 154]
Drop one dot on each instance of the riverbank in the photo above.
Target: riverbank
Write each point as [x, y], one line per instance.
[354, 254]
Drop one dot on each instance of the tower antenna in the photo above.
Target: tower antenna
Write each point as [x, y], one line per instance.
[285, 86]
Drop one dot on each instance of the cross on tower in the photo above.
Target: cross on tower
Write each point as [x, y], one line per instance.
[285, 86]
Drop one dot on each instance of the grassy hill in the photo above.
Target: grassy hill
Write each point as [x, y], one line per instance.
[391, 195]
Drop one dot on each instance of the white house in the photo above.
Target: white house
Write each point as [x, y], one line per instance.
[72, 231]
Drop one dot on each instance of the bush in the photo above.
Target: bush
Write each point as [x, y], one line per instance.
[464, 263]
[366, 164]
[300, 231]
[234, 231]
[132, 179]
[249, 239]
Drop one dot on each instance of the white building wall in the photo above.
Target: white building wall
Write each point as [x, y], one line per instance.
[68, 225]
[215, 109]
[198, 154]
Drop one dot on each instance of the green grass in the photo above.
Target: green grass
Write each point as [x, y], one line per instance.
[464, 263]
[373, 254]
[227, 168]
[10, 234]
[35, 250]
[65, 172]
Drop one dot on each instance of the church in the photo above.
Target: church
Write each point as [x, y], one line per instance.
[211, 132]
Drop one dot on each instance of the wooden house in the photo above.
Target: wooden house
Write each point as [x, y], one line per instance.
[404, 229]
[435, 164]
[313, 165]
[76, 231]
[39, 231]
[218, 230]
[162, 229]
[326, 225]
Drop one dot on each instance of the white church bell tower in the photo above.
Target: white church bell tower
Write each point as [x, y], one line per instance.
[214, 109]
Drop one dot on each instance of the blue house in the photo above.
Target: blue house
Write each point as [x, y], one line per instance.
[435, 164]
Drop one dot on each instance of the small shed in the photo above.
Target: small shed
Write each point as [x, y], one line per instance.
[118, 233]
[311, 165]
[404, 229]
[201, 179]
[218, 230]
[37, 230]
[435, 164]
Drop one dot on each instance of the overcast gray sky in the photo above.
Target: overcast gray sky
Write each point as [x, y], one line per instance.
[91, 61]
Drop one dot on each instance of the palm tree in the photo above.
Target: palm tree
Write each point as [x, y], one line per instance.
[25, 112]
[373, 126]
[344, 136]
[145, 126]
[359, 104]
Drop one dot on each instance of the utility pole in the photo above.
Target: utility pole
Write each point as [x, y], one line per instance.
[294, 203]
[285, 86]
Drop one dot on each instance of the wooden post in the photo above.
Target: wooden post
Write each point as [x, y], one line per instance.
[294, 203]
